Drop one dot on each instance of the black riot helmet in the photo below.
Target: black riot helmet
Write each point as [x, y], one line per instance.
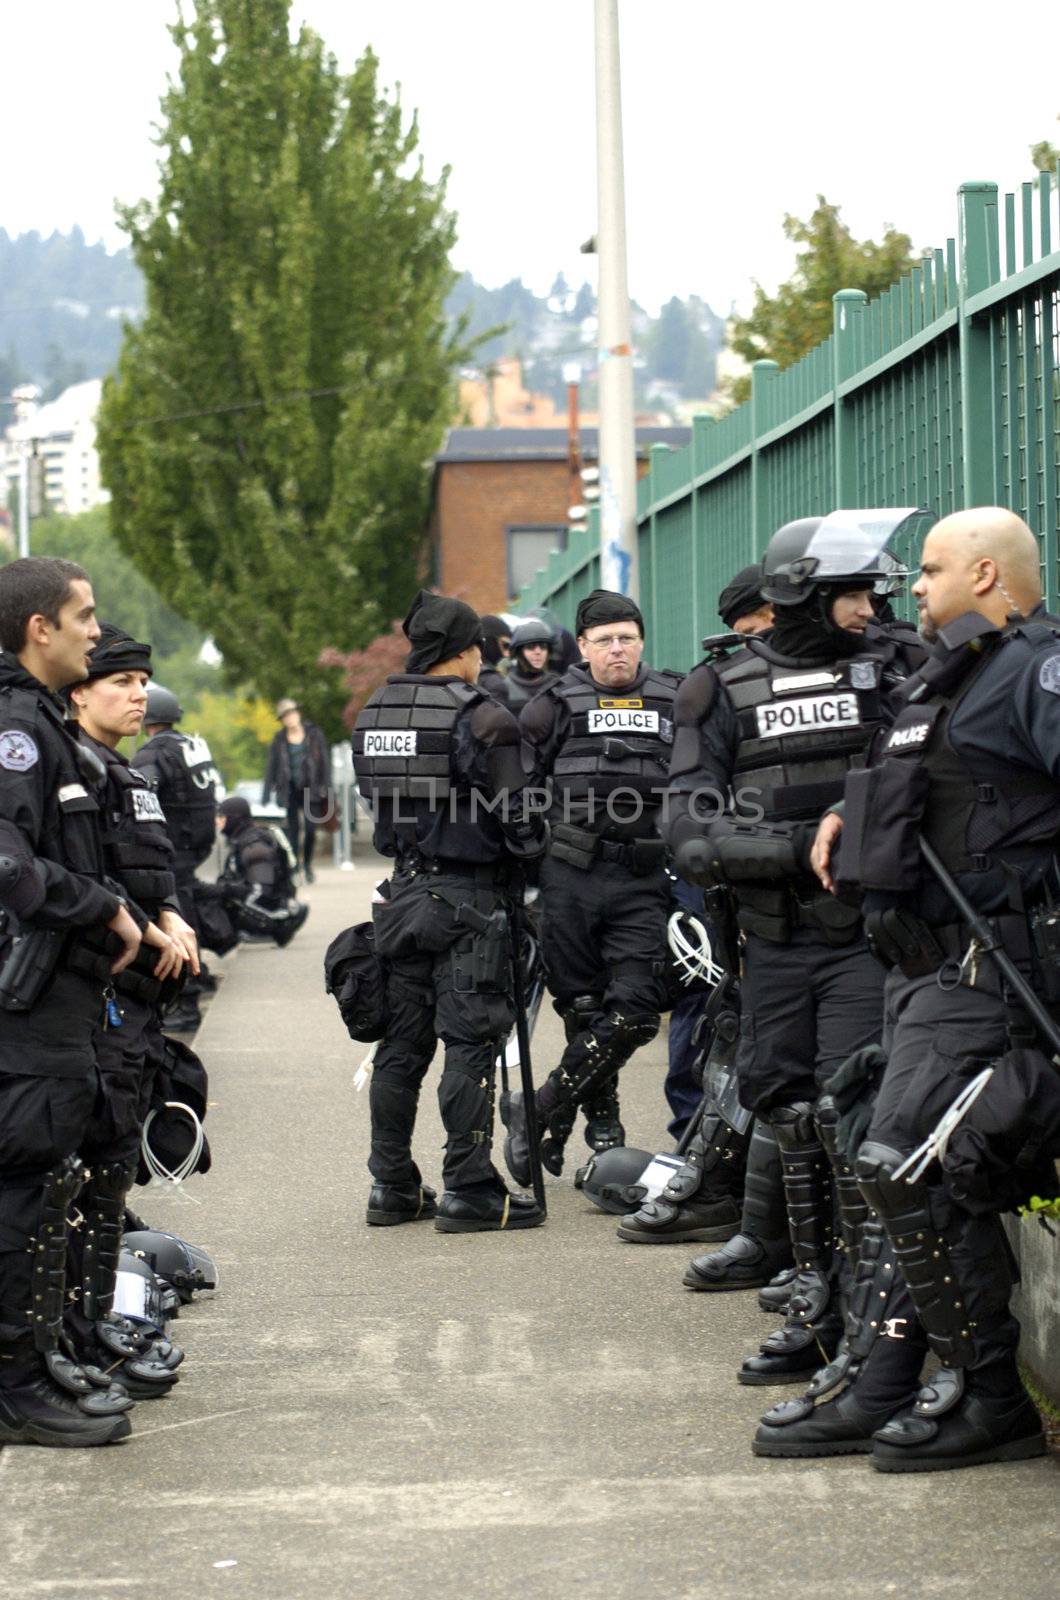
[532, 631]
[846, 549]
[184, 1267]
[162, 708]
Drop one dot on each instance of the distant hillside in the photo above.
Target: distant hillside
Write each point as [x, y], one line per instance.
[61, 307]
[62, 303]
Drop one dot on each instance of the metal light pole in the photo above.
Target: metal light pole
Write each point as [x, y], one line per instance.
[25, 399]
[619, 566]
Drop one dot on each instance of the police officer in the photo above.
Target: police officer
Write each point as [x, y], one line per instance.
[138, 854]
[779, 725]
[743, 611]
[972, 762]
[182, 771]
[257, 880]
[726, 1160]
[601, 736]
[529, 672]
[496, 640]
[52, 884]
[440, 762]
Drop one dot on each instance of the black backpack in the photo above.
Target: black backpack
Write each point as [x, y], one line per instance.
[356, 976]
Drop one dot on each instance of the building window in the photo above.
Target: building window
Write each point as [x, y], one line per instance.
[529, 546]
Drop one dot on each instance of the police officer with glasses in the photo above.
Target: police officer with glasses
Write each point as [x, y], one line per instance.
[601, 738]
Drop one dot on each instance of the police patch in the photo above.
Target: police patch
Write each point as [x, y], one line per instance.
[146, 806]
[863, 674]
[1049, 674]
[18, 751]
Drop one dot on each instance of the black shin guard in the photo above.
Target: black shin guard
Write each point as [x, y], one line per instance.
[921, 1252]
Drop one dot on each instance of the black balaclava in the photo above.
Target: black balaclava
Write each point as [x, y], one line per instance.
[494, 629]
[438, 628]
[605, 605]
[236, 812]
[807, 632]
[117, 651]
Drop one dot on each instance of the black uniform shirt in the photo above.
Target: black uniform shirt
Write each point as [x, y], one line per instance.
[49, 824]
[1009, 717]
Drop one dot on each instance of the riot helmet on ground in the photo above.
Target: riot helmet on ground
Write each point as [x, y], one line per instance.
[184, 1267]
[163, 708]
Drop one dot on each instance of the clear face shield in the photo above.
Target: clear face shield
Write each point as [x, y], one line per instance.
[880, 543]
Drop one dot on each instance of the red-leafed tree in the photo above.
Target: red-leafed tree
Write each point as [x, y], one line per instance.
[364, 670]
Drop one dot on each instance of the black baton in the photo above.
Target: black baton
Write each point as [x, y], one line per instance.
[522, 1034]
[990, 945]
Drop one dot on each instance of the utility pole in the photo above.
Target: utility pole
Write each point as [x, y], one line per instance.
[619, 566]
[25, 402]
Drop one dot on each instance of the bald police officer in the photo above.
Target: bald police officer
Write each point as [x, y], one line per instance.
[972, 762]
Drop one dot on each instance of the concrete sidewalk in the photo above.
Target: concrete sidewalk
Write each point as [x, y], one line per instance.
[380, 1414]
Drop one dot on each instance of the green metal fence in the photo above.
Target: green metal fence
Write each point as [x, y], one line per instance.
[944, 392]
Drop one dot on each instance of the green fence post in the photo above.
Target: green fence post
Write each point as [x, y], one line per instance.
[763, 373]
[702, 423]
[847, 308]
[979, 268]
[654, 454]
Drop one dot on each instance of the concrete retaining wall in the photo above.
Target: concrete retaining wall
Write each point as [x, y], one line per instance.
[1037, 1300]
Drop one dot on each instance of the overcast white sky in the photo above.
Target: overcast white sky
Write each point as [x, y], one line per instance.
[734, 114]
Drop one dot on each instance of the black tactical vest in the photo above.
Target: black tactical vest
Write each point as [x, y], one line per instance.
[976, 820]
[404, 745]
[616, 740]
[136, 842]
[403, 739]
[522, 688]
[187, 790]
[802, 728]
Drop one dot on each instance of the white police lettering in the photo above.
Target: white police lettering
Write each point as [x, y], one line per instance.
[801, 716]
[146, 807]
[18, 751]
[616, 721]
[904, 738]
[195, 750]
[390, 742]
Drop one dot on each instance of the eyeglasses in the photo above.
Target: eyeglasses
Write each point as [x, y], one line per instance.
[608, 639]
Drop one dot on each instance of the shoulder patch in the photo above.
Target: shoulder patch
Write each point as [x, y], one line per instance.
[18, 751]
[1048, 675]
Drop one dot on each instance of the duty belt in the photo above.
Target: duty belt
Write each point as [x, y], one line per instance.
[485, 872]
[638, 852]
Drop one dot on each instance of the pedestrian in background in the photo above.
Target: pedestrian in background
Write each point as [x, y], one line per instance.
[298, 773]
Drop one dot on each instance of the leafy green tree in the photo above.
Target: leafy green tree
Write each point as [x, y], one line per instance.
[1045, 156]
[266, 435]
[786, 325]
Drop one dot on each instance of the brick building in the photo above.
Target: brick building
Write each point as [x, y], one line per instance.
[499, 504]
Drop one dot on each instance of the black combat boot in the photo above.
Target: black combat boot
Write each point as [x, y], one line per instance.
[761, 1245]
[603, 1125]
[701, 1202]
[389, 1204]
[37, 1412]
[486, 1211]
